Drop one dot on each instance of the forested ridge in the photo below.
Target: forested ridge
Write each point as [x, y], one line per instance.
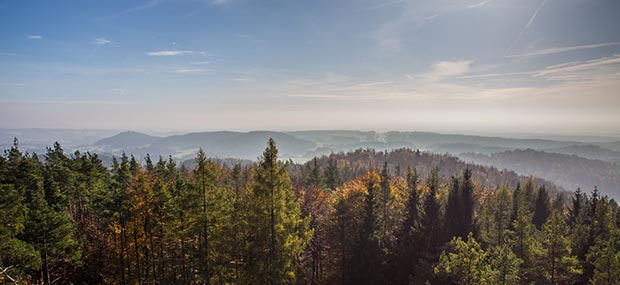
[364, 217]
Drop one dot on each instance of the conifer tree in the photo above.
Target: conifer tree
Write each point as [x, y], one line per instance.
[542, 208]
[523, 241]
[605, 257]
[431, 223]
[332, 174]
[495, 216]
[368, 256]
[408, 238]
[555, 259]
[315, 179]
[469, 202]
[278, 233]
[454, 212]
[465, 263]
[505, 265]
[385, 199]
[213, 221]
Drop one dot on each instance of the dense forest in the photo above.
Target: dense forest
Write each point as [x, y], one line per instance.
[364, 217]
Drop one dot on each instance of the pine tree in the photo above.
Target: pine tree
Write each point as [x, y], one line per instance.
[542, 209]
[315, 179]
[454, 212]
[213, 221]
[465, 263]
[15, 254]
[495, 216]
[577, 203]
[605, 256]
[524, 243]
[556, 263]
[368, 258]
[505, 265]
[385, 199]
[332, 174]
[430, 225]
[278, 234]
[469, 203]
[408, 237]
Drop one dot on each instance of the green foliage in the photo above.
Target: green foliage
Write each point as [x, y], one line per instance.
[277, 233]
[495, 216]
[556, 263]
[67, 219]
[332, 174]
[465, 263]
[605, 256]
[505, 264]
[368, 257]
[542, 208]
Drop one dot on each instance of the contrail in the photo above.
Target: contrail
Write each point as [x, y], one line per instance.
[527, 26]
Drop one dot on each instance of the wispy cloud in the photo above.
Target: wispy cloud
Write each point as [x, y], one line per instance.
[386, 4]
[191, 70]
[204, 7]
[147, 5]
[34, 37]
[480, 4]
[199, 62]
[564, 49]
[527, 26]
[579, 66]
[443, 69]
[101, 41]
[172, 52]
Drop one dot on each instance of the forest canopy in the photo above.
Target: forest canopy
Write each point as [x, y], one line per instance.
[363, 217]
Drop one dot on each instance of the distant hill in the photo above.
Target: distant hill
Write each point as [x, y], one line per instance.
[567, 163]
[358, 162]
[224, 144]
[126, 140]
[611, 145]
[457, 148]
[588, 151]
[567, 171]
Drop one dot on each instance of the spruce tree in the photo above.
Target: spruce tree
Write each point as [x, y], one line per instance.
[605, 257]
[368, 258]
[385, 199]
[465, 263]
[430, 226]
[556, 262]
[495, 216]
[408, 238]
[332, 174]
[277, 233]
[469, 203]
[454, 212]
[542, 209]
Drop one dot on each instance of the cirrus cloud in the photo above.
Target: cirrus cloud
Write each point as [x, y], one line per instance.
[171, 52]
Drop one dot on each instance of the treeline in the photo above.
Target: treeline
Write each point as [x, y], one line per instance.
[66, 219]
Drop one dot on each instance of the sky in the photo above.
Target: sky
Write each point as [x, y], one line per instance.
[489, 66]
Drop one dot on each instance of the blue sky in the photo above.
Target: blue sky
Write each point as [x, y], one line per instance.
[494, 66]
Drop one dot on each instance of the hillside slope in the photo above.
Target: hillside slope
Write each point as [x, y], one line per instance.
[567, 171]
